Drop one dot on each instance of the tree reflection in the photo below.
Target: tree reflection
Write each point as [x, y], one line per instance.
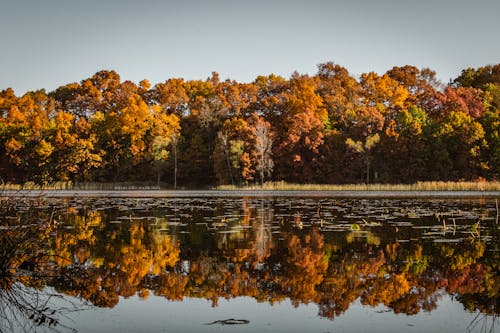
[25, 303]
[98, 257]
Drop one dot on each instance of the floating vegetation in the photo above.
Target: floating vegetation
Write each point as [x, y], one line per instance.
[355, 226]
[474, 229]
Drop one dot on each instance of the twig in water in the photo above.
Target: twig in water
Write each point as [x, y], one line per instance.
[498, 212]
[230, 321]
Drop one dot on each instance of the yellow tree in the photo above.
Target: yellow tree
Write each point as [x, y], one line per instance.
[383, 92]
[341, 94]
[26, 121]
[163, 137]
[127, 135]
[74, 155]
[364, 149]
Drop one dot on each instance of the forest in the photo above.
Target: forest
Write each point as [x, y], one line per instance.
[330, 128]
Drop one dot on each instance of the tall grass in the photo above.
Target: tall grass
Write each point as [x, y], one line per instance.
[272, 186]
[419, 186]
[81, 186]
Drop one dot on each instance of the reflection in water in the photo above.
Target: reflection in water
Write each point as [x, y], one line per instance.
[401, 254]
[24, 272]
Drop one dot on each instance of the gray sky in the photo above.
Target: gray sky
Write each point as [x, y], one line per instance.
[48, 43]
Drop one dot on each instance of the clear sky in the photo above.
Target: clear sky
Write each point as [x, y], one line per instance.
[48, 43]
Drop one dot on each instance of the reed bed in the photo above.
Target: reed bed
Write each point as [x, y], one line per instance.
[81, 186]
[419, 186]
[271, 186]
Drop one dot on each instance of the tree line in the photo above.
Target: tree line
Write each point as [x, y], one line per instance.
[399, 127]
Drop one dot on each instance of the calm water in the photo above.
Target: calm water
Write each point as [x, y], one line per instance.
[243, 264]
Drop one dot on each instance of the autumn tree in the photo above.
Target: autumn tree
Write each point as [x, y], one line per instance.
[383, 93]
[340, 93]
[263, 148]
[465, 100]
[24, 140]
[364, 149]
[300, 125]
[171, 96]
[205, 132]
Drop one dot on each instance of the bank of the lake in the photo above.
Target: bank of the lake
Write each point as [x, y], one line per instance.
[247, 193]
[269, 186]
[418, 186]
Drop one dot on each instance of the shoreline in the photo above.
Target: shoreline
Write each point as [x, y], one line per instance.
[247, 193]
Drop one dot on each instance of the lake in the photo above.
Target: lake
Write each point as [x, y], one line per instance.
[268, 262]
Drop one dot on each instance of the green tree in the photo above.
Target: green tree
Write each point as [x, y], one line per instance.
[460, 137]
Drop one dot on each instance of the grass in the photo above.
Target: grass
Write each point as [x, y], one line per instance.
[419, 186]
[272, 186]
[81, 186]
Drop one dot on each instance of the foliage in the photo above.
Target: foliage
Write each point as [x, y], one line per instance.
[400, 126]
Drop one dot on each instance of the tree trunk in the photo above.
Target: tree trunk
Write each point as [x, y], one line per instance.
[262, 170]
[229, 167]
[367, 170]
[175, 165]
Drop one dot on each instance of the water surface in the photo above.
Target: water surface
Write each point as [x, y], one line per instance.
[249, 264]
